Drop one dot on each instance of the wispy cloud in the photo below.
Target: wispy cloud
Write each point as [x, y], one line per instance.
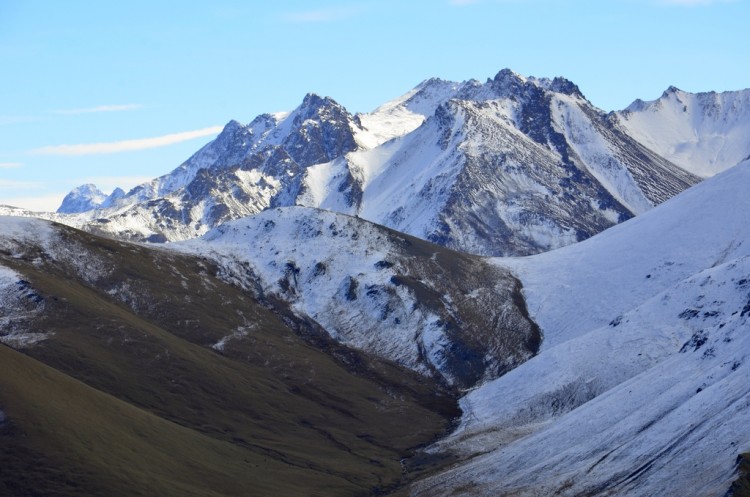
[10, 165]
[99, 108]
[50, 202]
[7, 184]
[126, 145]
[43, 203]
[323, 15]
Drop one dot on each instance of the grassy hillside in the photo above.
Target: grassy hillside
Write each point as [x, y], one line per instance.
[128, 397]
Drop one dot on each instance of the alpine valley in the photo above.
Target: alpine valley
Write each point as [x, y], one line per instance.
[479, 288]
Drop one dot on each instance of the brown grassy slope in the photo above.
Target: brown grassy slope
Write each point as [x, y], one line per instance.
[139, 333]
[91, 443]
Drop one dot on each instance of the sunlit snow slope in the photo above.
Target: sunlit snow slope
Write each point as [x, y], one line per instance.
[704, 133]
[431, 309]
[641, 387]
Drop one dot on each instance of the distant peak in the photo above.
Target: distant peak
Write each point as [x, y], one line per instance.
[265, 121]
[671, 90]
[81, 199]
[232, 126]
[88, 187]
[508, 76]
[311, 96]
[507, 83]
[637, 106]
[313, 104]
[315, 100]
[432, 82]
[565, 86]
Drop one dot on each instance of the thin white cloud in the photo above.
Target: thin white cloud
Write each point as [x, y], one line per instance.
[126, 145]
[50, 202]
[99, 108]
[10, 165]
[44, 203]
[322, 15]
[8, 184]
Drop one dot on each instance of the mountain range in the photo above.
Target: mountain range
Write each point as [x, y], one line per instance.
[511, 166]
[476, 289]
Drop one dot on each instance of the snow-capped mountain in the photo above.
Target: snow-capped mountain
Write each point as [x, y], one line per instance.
[428, 308]
[641, 385]
[245, 170]
[704, 133]
[511, 166]
[81, 199]
[87, 198]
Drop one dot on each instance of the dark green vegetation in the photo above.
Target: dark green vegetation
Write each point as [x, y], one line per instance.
[741, 486]
[127, 397]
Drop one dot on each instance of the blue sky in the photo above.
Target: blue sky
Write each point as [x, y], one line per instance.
[116, 93]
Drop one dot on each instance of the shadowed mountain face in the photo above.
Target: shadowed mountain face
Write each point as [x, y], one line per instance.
[512, 166]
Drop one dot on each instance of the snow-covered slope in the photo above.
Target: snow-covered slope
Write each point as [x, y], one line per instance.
[84, 198]
[627, 264]
[431, 309]
[704, 133]
[641, 387]
[512, 166]
[406, 113]
[19, 302]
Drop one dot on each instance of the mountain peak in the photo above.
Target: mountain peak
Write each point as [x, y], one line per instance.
[230, 129]
[315, 101]
[563, 85]
[232, 125]
[315, 107]
[113, 197]
[312, 98]
[508, 77]
[432, 82]
[670, 91]
[81, 199]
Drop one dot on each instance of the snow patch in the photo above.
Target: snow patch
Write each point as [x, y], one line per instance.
[237, 334]
[19, 303]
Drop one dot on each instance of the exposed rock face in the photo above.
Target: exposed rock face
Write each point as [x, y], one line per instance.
[512, 166]
[438, 312]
